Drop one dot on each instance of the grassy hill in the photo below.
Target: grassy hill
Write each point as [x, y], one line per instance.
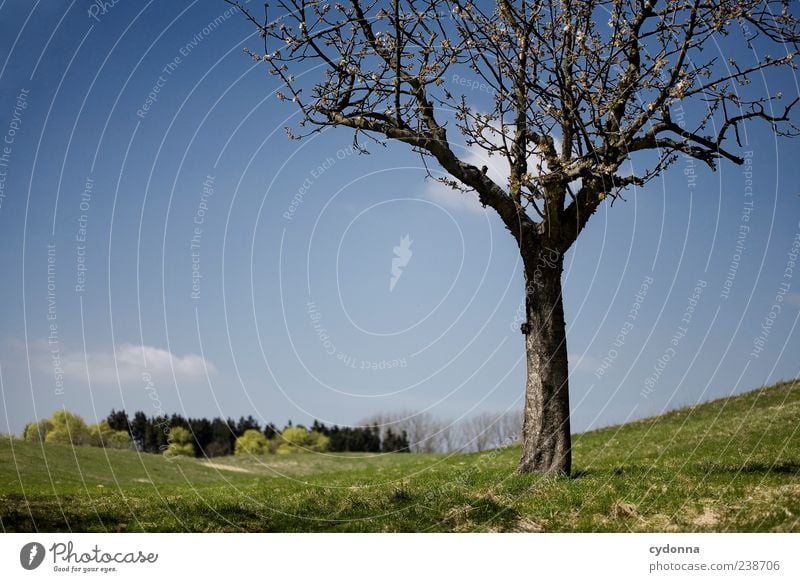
[727, 465]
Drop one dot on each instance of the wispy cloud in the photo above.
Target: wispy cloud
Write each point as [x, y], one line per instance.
[127, 363]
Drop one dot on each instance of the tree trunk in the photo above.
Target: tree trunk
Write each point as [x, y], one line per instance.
[546, 443]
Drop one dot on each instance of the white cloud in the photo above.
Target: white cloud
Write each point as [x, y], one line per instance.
[497, 170]
[128, 362]
[446, 196]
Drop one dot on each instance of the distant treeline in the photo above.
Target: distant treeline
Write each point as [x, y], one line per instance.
[418, 432]
[218, 437]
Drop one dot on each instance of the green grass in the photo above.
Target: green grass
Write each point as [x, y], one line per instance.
[728, 465]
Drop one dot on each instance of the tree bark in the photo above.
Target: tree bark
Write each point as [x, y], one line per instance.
[546, 442]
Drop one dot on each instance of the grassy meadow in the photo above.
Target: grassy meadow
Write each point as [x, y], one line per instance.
[728, 465]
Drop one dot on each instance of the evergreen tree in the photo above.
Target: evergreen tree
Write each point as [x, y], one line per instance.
[138, 428]
[118, 420]
[270, 431]
[395, 443]
[246, 424]
[222, 439]
[201, 431]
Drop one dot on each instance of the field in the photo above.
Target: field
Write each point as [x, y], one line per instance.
[727, 465]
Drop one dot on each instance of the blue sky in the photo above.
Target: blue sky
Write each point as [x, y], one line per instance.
[146, 150]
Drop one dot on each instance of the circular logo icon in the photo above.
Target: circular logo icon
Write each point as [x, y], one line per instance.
[31, 555]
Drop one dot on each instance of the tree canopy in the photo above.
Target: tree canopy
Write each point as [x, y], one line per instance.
[577, 88]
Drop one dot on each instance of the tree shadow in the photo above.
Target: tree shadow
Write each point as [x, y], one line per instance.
[753, 468]
[615, 471]
[779, 468]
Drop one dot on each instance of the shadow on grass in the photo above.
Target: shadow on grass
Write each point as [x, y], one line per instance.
[79, 514]
[623, 470]
[753, 468]
[778, 468]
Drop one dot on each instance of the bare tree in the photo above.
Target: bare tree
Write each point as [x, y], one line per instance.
[430, 434]
[450, 437]
[478, 431]
[422, 428]
[580, 87]
[490, 430]
[509, 429]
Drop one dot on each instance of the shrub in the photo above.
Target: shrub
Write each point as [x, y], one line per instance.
[36, 431]
[67, 428]
[291, 440]
[180, 443]
[102, 435]
[119, 439]
[252, 442]
[318, 442]
[298, 439]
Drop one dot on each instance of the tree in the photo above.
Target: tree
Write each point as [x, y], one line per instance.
[394, 443]
[67, 428]
[296, 439]
[317, 442]
[158, 434]
[270, 431]
[139, 427]
[180, 443]
[202, 433]
[223, 438]
[422, 429]
[578, 90]
[118, 420]
[490, 430]
[36, 431]
[102, 435]
[246, 424]
[252, 442]
[291, 439]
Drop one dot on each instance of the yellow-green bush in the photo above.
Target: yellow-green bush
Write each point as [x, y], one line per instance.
[252, 442]
[180, 443]
[299, 439]
[67, 428]
[317, 441]
[102, 435]
[36, 431]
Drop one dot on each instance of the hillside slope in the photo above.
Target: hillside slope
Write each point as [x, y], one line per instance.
[727, 465]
